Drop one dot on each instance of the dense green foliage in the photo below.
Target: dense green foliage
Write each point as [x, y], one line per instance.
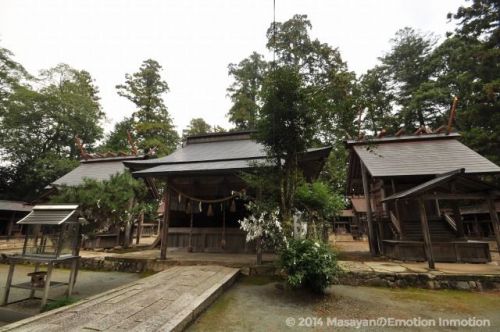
[198, 126]
[152, 124]
[309, 264]
[248, 76]
[108, 204]
[319, 199]
[38, 127]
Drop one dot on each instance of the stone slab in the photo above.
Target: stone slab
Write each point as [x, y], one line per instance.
[166, 301]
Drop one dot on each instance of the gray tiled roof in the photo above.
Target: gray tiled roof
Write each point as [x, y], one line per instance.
[14, 206]
[224, 165]
[209, 151]
[424, 156]
[212, 152]
[95, 169]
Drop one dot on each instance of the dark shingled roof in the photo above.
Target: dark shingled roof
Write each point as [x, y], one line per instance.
[14, 206]
[420, 155]
[51, 215]
[212, 152]
[227, 146]
[95, 169]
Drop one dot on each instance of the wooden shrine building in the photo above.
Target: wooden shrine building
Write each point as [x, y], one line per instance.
[409, 182]
[10, 213]
[206, 194]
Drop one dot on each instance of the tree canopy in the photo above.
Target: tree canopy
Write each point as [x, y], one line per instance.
[152, 124]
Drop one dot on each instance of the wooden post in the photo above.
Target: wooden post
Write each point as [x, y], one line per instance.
[72, 276]
[494, 221]
[191, 216]
[166, 221]
[427, 236]
[139, 228]
[372, 241]
[458, 219]
[8, 283]
[47, 285]
[258, 242]
[32, 292]
[128, 224]
[11, 224]
[223, 242]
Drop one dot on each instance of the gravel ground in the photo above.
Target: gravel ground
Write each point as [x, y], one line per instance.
[257, 304]
[88, 283]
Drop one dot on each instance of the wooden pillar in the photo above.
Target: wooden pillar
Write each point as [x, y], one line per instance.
[46, 289]
[372, 241]
[258, 242]
[11, 224]
[8, 284]
[166, 221]
[32, 292]
[223, 242]
[72, 276]
[128, 225]
[191, 216]
[494, 221]
[427, 235]
[139, 228]
[458, 219]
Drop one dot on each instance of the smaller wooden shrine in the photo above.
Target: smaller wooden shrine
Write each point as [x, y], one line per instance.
[410, 183]
[52, 237]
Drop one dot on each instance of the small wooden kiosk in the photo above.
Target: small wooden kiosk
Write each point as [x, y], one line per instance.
[52, 237]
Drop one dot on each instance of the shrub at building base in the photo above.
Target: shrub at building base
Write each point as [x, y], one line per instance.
[310, 264]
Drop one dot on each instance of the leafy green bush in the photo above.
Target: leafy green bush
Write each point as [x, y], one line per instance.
[309, 264]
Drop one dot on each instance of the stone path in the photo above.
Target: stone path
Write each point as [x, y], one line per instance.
[421, 267]
[166, 301]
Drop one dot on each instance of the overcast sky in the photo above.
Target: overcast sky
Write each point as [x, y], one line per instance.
[195, 40]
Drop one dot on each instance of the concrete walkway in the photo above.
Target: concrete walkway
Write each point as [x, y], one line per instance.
[166, 301]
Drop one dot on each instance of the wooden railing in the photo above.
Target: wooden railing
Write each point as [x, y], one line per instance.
[450, 221]
[395, 223]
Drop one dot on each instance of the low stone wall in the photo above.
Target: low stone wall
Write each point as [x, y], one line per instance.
[421, 280]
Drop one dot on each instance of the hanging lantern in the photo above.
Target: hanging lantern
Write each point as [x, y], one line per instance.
[200, 207]
[189, 208]
[233, 206]
[210, 211]
[179, 197]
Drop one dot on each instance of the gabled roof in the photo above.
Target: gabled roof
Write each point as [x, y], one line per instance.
[14, 206]
[220, 152]
[95, 169]
[213, 147]
[429, 154]
[51, 215]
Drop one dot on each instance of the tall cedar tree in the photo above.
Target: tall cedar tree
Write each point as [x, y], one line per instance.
[153, 127]
[286, 128]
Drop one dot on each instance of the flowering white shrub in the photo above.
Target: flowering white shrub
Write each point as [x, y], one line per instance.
[263, 224]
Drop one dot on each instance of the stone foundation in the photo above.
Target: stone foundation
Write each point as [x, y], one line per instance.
[421, 280]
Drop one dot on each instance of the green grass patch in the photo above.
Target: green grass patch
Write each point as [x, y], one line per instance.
[259, 280]
[60, 302]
